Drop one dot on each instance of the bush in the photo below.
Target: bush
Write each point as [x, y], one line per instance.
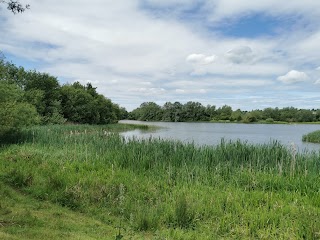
[269, 120]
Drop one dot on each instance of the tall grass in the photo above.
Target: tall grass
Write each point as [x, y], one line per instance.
[168, 188]
[313, 137]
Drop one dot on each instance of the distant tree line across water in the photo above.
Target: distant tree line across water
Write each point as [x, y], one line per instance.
[195, 111]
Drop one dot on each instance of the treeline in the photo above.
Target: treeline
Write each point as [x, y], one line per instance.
[30, 97]
[195, 111]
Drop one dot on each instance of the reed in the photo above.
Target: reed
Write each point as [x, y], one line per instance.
[313, 137]
[168, 189]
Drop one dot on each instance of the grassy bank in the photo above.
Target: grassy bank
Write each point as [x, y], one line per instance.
[313, 137]
[155, 189]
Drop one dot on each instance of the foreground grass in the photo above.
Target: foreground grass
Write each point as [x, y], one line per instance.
[154, 189]
[23, 217]
[313, 137]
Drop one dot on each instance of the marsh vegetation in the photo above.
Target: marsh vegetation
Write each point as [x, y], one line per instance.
[160, 189]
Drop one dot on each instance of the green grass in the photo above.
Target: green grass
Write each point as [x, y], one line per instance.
[154, 189]
[313, 137]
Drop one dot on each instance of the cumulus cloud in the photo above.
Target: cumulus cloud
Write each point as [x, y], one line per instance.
[190, 91]
[240, 54]
[149, 91]
[317, 82]
[293, 76]
[200, 59]
[132, 55]
[221, 9]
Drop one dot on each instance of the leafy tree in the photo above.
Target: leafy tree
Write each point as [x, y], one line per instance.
[249, 118]
[123, 113]
[44, 91]
[150, 111]
[271, 113]
[82, 104]
[14, 113]
[211, 111]
[78, 105]
[169, 112]
[288, 114]
[178, 108]
[108, 112]
[194, 111]
[224, 113]
[56, 104]
[304, 115]
[237, 115]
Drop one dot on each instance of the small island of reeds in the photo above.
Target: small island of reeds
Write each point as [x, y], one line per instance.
[313, 137]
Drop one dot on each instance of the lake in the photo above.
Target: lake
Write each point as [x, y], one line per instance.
[212, 133]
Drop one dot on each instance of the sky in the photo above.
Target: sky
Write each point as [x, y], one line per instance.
[242, 53]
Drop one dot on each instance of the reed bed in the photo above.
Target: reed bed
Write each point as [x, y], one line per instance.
[313, 137]
[169, 189]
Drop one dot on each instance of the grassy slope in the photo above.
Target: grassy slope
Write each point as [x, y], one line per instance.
[23, 217]
[80, 182]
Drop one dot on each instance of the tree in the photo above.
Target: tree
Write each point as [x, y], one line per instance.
[237, 115]
[44, 91]
[288, 114]
[150, 111]
[78, 105]
[14, 112]
[224, 113]
[194, 111]
[304, 115]
[82, 104]
[168, 112]
[270, 113]
[211, 111]
[172, 112]
[15, 6]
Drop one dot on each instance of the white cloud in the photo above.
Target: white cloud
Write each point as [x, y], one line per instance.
[221, 9]
[293, 76]
[149, 91]
[200, 59]
[190, 91]
[132, 55]
[240, 54]
[317, 82]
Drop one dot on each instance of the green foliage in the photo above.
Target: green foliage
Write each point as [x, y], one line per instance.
[313, 137]
[183, 214]
[224, 113]
[195, 111]
[14, 113]
[82, 104]
[148, 111]
[269, 120]
[55, 104]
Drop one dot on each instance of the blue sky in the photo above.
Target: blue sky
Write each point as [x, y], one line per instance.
[246, 54]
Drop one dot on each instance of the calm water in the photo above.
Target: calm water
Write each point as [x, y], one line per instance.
[212, 133]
